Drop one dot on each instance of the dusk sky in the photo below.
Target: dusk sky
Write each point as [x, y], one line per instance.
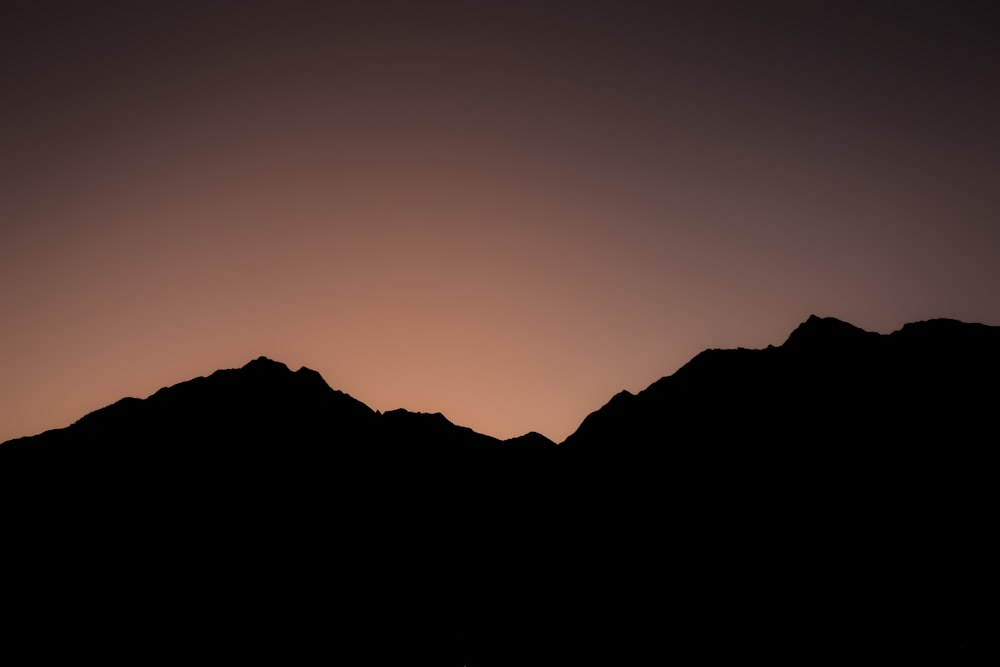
[503, 212]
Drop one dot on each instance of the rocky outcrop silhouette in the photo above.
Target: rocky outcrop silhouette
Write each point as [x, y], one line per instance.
[829, 496]
[829, 385]
[844, 473]
[267, 489]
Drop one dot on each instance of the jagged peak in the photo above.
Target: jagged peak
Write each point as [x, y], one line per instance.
[263, 362]
[427, 416]
[938, 324]
[823, 331]
[309, 373]
[531, 438]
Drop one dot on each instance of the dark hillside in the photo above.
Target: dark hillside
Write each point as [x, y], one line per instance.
[828, 496]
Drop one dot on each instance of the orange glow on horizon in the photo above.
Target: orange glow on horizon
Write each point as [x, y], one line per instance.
[506, 219]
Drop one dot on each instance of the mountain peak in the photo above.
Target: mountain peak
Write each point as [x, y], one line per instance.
[825, 331]
[530, 439]
[262, 362]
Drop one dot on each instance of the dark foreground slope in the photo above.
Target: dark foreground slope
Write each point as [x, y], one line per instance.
[836, 492]
[257, 512]
[832, 496]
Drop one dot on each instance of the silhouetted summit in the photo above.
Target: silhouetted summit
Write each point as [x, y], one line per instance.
[257, 485]
[830, 382]
[817, 332]
[831, 495]
[870, 457]
[530, 439]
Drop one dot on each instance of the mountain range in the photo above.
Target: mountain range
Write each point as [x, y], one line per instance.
[829, 496]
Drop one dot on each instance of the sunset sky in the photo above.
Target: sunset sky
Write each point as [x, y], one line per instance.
[503, 212]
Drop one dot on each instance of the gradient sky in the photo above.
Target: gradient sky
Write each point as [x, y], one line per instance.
[506, 214]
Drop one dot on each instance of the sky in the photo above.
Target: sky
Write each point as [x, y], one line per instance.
[505, 212]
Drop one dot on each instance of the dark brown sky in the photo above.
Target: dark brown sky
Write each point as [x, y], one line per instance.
[505, 213]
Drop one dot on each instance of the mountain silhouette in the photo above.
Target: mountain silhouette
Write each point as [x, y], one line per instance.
[830, 382]
[829, 496]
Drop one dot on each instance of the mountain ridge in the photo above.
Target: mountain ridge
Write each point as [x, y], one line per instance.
[813, 334]
[827, 496]
[820, 349]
